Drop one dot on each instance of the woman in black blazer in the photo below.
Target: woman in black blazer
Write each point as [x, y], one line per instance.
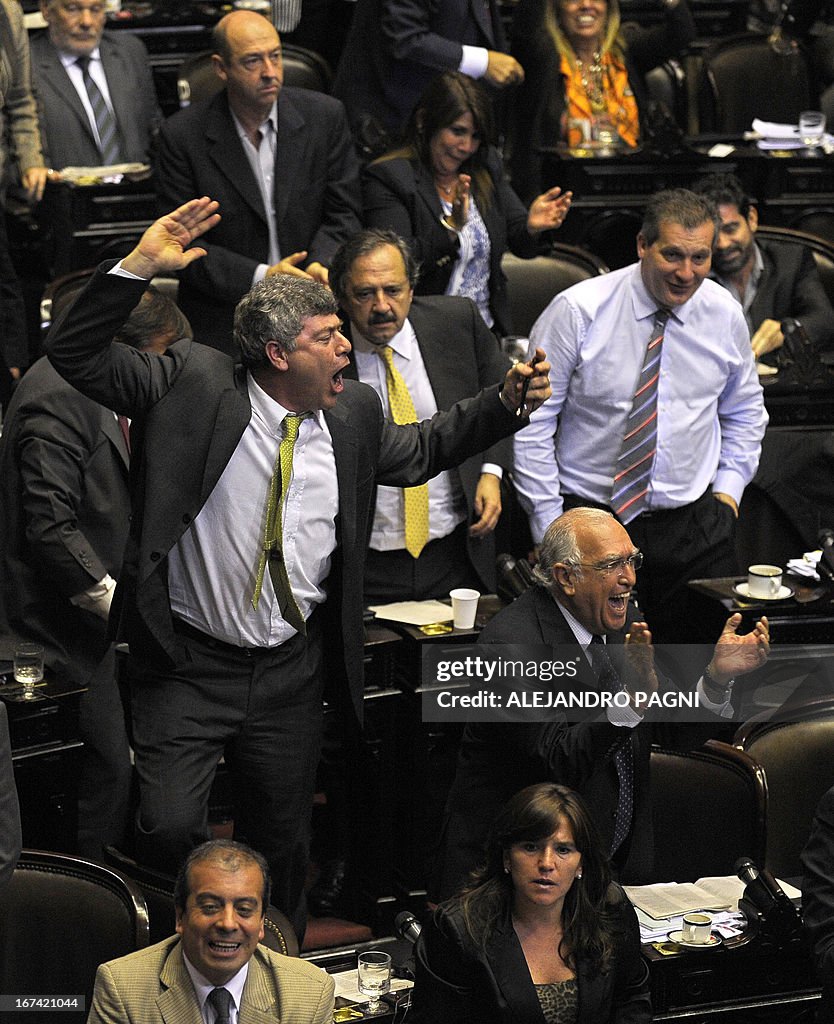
[541, 935]
[445, 192]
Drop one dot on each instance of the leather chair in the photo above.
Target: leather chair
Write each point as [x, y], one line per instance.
[822, 249]
[743, 77]
[303, 69]
[795, 748]
[708, 809]
[531, 284]
[60, 917]
[158, 890]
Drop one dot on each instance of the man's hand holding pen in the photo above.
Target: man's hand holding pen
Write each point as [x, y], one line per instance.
[527, 385]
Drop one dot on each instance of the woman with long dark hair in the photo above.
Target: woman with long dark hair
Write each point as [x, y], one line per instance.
[541, 935]
[445, 192]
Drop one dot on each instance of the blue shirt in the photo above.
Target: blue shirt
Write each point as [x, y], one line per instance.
[711, 415]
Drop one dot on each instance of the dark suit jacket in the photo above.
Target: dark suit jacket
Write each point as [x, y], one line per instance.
[456, 982]
[539, 102]
[68, 140]
[461, 357]
[316, 184]
[64, 516]
[395, 47]
[790, 286]
[205, 411]
[10, 837]
[400, 194]
[153, 986]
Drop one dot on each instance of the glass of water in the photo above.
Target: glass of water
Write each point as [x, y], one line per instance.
[374, 978]
[28, 667]
[811, 127]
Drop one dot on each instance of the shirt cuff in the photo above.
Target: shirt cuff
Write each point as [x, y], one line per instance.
[97, 598]
[474, 61]
[260, 272]
[729, 483]
[490, 467]
[117, 271]
[625, 717]
[724, 709]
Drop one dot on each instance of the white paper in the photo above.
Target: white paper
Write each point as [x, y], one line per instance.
[413, 613]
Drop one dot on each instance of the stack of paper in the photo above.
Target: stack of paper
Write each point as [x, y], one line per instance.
[806, 566]
[782, 136]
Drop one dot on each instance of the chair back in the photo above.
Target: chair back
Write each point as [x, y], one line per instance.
[797, 755]
[708, 809]
[822, 249]
[60, 917]
[304, 69]
[531, 284]
[158, 889]
[743, 77]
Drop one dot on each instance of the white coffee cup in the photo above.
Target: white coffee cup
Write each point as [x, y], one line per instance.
[764, 580]
[464, 607]
[697, 928]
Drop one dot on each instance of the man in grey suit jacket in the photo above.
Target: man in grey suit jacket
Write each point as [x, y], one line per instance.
[223, 654]
[64, 519]
[119, 66]
[281, 163]
[221, 896]
[444, 351]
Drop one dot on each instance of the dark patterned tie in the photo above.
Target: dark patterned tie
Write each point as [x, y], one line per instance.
[108, 132]
[608, 680]
[221, 1001]
[632, 474]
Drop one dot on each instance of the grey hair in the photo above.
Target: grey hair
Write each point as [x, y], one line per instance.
[363, 243]
[227, 854]
[560, 544]
[678, 206]
[275, 310]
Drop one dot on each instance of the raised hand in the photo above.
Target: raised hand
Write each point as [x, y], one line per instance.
[548, 211]
[638, 666]
[164, 247]
[736, 655]
[527, 387]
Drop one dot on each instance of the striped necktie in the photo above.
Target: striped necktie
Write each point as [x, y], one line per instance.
[108, 132]
[633, 472]
[608, 680]
[272, 552]
[415, 499]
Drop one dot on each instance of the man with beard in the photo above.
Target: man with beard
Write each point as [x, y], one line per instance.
[773, 281]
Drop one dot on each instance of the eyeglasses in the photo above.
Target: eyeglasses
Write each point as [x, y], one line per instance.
[618, 565]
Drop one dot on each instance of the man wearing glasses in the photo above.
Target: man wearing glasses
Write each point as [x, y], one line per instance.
[585, 576]
[96, 94]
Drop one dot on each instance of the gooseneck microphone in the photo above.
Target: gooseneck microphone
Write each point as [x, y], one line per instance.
[407, 926]
[825, 539]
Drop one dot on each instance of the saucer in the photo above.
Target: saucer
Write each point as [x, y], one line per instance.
[743, 590]
[678, 939]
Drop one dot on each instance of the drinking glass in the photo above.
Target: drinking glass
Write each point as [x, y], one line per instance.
[28, 667]
[811, 127]
[374, 978]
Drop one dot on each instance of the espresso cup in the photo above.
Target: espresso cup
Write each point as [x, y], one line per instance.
[764, 580]
[697, 928]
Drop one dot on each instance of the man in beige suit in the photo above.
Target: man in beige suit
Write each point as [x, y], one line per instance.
[213, 970]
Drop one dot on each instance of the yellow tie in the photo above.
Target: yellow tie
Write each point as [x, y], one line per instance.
[273, 544]
[415, 499]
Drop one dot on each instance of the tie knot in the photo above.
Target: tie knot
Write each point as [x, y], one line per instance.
[221, 1001]
[386, 354]
[597, 639]
[83, 63]
[661, 316]
[291, 424]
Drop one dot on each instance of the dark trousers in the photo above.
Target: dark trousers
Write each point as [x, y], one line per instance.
[263, 710]
[443, 564]
[680, 544]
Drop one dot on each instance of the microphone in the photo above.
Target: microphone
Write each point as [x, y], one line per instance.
[761, 888]
[825, 539]
[407, 926]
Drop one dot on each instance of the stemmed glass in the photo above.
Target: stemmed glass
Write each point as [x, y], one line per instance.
[374, 978]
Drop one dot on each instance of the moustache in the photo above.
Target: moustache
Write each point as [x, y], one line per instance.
[382, 318]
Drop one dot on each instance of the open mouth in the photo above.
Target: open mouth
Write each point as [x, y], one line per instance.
[619, 602]
[224, 948]
[338, 381]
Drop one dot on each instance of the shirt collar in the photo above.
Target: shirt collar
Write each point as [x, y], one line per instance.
[270, 412]
[69, 59]
[583, 635]
[202, 986]
[271, 118]
[403, 342]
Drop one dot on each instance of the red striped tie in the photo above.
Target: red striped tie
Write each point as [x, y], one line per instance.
[634, 465]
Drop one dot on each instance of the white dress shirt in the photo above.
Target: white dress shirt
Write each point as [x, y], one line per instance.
[202, 988]
[262, 162]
